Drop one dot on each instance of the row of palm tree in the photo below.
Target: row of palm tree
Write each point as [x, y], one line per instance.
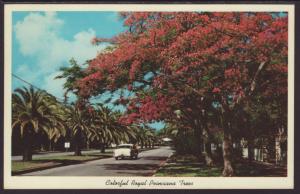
[35, 111]
[145, 137]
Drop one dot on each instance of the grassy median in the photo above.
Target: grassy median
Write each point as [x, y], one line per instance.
[19, 167]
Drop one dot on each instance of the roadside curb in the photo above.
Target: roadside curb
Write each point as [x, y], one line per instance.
[162, 164]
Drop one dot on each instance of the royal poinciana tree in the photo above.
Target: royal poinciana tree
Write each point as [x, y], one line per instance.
[182, 65]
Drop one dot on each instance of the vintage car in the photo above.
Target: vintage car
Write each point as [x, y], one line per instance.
[126, 150]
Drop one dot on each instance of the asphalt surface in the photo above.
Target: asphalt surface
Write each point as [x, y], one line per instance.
[146, 165]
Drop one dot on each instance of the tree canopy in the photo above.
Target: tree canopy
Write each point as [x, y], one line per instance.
[187, 67]
[168, 57]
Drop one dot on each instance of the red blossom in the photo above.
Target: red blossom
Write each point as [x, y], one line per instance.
[189, 52]
[216, 90]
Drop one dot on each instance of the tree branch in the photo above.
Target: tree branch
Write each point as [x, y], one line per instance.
[253, 83]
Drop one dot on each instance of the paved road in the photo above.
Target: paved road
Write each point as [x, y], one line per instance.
[145, 165]
[49, 154]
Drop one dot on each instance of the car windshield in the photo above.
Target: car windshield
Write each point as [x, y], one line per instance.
[124, 146]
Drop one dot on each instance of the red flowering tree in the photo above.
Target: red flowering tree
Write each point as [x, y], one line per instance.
[191, 63]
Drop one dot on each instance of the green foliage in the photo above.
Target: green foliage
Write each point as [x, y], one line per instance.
[71, 75]
[107, 129]
[34, 111]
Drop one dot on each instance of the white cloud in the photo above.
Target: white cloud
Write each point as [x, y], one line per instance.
[54, 86]
[36, 31]
[39, 37]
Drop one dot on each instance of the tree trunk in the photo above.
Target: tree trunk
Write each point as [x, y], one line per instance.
[88, 145]
[77, 142]
[77, 150]
[42, 148]
[250, 149]
[238, 150]
[199, 140]
[271, 152]
[102, 148]
[27, 147]
[142, 145]
[27, 154]
[50, 145]
[227, 154]
[208, 156]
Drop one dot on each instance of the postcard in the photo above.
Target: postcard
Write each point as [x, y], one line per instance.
[149, 96]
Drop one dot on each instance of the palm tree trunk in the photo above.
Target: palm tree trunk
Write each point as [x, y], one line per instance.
[77, 150]
[27, 154]
[77, 142]
[142, 144]
[102, 147]
[27, 148]
[51, 145]
[87, 144]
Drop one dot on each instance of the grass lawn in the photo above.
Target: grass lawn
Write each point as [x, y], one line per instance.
[71, 158]
[189, 166]
[188, 170]
[53, 161]
[18, 166]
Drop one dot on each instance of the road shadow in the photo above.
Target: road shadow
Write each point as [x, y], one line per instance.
[128, 158]
[159, 158]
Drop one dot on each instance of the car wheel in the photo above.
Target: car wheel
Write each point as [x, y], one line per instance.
[116, 158]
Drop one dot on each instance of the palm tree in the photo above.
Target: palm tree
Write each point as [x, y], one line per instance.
[107, 128]
[79, 122]
[145, 136]
[150, 137]
[60, 128]
[32, 113]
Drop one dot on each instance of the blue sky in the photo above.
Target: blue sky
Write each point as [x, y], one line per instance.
[45, 41]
